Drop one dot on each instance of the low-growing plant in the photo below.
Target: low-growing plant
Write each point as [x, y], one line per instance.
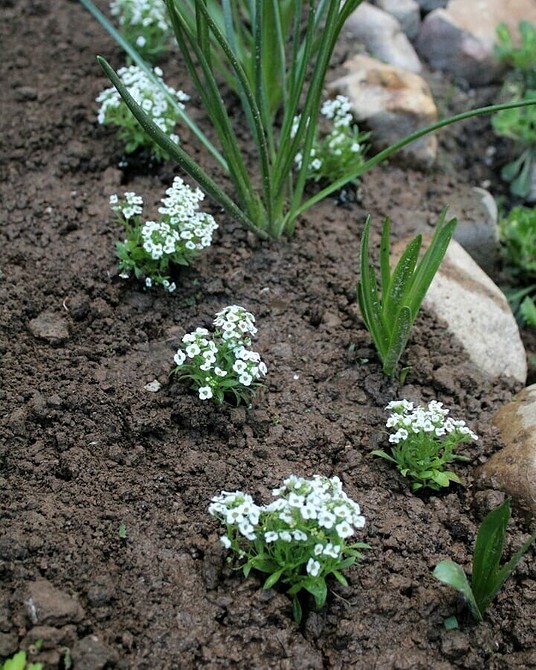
[518, 125]
[220, 365]
[299, 539]
[521, 55]
[152, 247]
[389, 309]
[19, 662]
[269, 203]
[144, 24]
[488, 575]
[424, 440]
[336, 152]
[114, 111]
[518, 235]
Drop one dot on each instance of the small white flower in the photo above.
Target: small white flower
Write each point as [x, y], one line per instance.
[331, 550]
[318, 550]
[225, 541]
[344, 529]
[179, 357]
[285, 536]
[300, 536]
[219, 372]
[313, 567]
[205, 393]
[193, 350]
[326, 519]
[270, 536]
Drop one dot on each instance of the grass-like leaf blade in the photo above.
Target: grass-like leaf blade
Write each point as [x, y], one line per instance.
[452, 574]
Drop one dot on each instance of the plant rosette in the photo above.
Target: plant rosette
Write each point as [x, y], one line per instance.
[221, 364]
[177, 238]
[152, 99]
[145, 24]
[423, 442]
[299, 539]
[338, 151]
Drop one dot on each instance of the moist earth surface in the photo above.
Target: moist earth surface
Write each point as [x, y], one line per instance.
[106, 485]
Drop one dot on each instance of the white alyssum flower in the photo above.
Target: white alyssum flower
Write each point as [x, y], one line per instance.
[409, 420]
[141, 13]
[313, 567]
[150, 97]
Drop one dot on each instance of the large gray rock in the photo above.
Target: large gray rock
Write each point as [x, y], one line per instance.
[477, 230]
[513, 469]
[383, 37]
[429, 5]
[406, 12]
[392, 102]
[477, 314]
[460, 39]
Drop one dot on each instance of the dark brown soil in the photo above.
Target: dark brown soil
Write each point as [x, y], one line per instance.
[86, 448]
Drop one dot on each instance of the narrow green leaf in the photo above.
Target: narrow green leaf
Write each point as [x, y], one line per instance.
[488, 551]
[452, 574]
[385, 257]
[272, 579]
[430, 262]
[398, 341]
[401, 280]
[383, 454]
[340, 578]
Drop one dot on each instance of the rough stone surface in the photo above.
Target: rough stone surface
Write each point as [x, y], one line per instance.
[513, 469]
[478, 315]
[49, 326]
[47, 605]
[406, 12]
[460, 39]
[9, 643]
[477, 230]
[90, 653]
[383, 37]
[393, 103]
[429, 5]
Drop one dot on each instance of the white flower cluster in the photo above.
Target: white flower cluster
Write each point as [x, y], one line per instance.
[224, 354]
[141, 13]
[183, 226]
[338, 140]
[410, 420]
[150, 98]
[178, 237]
[303, 509]
[129, 207]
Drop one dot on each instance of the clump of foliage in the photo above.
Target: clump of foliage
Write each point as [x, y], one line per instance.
[390, 308]
[521, 57]
[152, 247]
[299, 539]
[153, 99]
[518, 125]
[488, 575]
[221, 364]
[424, 440]
[518, 235]
[144, 24]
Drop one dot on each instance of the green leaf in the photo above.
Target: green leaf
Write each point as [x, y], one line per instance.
[318, 590]
[340, 577]
[488, 551]
[399, 338]
[452, 574]
[401, 280]
[383, 454]
[272, 579]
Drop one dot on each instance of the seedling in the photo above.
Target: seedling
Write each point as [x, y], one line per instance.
[488, 575]
[19, 662]
[390, 308]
